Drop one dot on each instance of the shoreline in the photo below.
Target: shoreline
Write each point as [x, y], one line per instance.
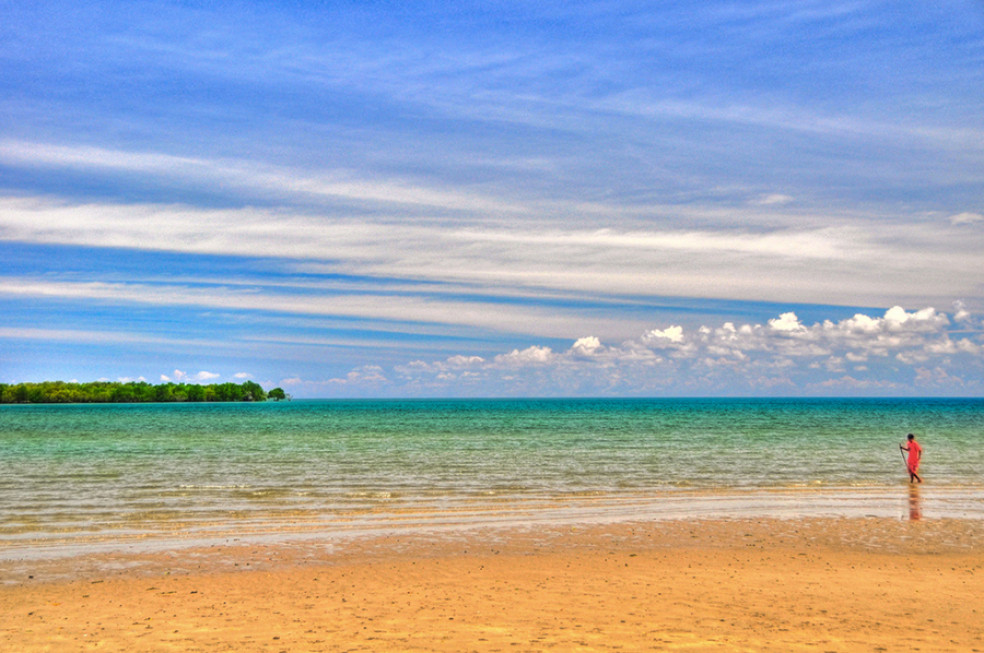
[458, 518]
[845, 584]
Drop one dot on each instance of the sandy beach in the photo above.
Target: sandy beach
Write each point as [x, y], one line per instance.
[742, 585]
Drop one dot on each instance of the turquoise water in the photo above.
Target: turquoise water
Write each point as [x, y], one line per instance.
[128, 470]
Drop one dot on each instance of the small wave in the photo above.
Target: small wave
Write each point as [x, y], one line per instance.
[263, 493]
[371, 494]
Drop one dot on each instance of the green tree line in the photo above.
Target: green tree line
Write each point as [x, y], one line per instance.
[61, 392]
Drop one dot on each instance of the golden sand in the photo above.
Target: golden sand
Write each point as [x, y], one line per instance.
[822, 585]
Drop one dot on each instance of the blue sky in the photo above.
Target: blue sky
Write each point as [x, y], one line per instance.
[495, 199]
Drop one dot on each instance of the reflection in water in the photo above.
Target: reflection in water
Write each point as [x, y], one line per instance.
[915, 503]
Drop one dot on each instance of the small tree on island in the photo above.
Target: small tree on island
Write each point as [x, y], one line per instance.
[278, 394]
[252, 391]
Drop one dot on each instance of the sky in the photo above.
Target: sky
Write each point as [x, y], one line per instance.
[485, 199]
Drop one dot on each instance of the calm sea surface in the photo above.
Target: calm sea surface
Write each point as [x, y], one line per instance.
[103, 473]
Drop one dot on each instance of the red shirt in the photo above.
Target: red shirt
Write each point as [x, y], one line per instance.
[915, 454]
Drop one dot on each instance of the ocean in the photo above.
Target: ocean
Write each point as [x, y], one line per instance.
[77, 476]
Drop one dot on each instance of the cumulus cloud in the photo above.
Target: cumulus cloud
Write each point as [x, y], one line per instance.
[465, 361]
[587, 346]
[366, 375]
[530, 356]
[787, 323]
[960, 313]
[182, 377]
[670, 336]
[864, 354]
[935, 377]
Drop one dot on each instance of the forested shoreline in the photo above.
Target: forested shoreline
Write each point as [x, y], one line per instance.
[109, 392]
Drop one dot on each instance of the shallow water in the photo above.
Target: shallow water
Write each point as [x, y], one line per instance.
[107, 473]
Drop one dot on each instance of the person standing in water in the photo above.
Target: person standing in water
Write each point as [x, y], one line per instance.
[915, 455]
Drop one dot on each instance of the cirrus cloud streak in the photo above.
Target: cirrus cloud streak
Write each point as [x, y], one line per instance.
[836, 264]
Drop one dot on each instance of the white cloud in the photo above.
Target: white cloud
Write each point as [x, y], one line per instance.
[465, 361]
[371, 375]
[587, 346]
[784, 353]
[182, 377]
[851, 384]
[787, 323]
[960, 312]
[534, 355]
[757, 262]
[533, 320]
[774, 199]
[672, 335]
[937, 377]
[966, 218]
[925, 320]
[248, 177]
[98, 337]
[859, 324]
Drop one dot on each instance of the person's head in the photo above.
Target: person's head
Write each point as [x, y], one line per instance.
[911, 437]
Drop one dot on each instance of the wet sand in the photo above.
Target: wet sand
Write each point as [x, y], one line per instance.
[723, 585]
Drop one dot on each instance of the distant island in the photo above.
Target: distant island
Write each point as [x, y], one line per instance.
[107, 392]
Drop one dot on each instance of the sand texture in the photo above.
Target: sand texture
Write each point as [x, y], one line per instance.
[837, 585]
